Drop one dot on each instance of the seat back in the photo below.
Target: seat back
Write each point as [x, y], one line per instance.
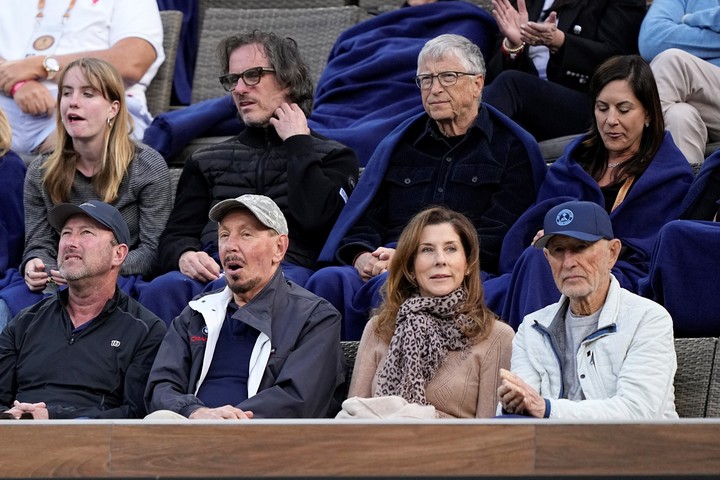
[159, 91]
[713, 402]
[695, 358]
[314, 29]
[206, 4]
[349, 348]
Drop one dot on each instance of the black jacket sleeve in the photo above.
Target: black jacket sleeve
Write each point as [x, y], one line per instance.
[319, 180]
[188, 217]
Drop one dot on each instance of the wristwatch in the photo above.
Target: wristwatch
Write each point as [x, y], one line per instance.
[51, 66]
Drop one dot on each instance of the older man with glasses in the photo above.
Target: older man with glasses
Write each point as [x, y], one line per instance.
[459, 153]
[309, 176]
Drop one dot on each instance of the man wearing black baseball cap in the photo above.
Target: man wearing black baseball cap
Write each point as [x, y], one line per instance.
[84, 352]
[600, 352]
[262, 347]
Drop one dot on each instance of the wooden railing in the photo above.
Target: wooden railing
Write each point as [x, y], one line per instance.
[498, 448]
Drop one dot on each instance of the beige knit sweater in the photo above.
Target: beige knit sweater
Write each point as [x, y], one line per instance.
[461, 388]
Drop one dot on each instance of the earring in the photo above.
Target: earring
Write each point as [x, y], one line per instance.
[108, 122]
[647, 124]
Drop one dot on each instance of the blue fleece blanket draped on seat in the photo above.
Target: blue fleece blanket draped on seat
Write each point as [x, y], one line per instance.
[366, 89]
[655, 199]
[12, 219]
[685, 265]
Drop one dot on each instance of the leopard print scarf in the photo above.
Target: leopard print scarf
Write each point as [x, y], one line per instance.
[426, 328]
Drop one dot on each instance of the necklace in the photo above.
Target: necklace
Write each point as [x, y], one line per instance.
[613, 165]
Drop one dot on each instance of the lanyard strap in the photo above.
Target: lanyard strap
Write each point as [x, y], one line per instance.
[623, 191]
[66, 15]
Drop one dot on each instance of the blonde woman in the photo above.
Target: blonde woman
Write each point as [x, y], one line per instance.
[95, 160]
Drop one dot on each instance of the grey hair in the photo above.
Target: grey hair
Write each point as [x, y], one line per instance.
[466, 51]
[290, 69]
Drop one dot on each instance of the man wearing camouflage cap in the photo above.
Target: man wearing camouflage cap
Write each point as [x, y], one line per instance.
[262, 347]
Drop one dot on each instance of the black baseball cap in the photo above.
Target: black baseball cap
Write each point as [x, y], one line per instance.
[101, 212]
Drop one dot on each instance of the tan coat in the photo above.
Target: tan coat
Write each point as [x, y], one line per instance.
[461, 388]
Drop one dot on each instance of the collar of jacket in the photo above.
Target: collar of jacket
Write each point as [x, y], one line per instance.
[482, 125]
[119, 298]
[608, 315]
[260, 136]
[257, 313]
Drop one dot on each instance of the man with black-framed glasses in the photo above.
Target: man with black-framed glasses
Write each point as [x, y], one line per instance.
[309, 176]
[459, 153]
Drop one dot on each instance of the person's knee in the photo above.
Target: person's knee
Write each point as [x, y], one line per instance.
[510, 80]
[325, 280]
[688, 130]
[669, 60]
[684, 117]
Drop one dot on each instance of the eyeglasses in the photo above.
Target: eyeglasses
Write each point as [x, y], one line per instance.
[446, 79]
[250, 77]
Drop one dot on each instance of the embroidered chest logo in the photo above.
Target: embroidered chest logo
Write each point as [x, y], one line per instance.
[195, 339]
[115, 343]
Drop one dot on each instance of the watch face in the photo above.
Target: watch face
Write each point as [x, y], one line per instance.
[52, 64]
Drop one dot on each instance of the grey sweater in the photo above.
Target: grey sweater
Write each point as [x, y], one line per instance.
[143, 200]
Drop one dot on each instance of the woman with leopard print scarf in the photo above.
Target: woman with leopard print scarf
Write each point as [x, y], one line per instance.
[433, 341]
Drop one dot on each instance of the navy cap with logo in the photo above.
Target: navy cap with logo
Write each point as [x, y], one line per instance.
[586, 221]
[104, 213]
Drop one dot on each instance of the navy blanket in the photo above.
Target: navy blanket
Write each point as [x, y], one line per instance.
[366, 89]
[654, 200]
[12, 220]
[684, 268]
[187, 47]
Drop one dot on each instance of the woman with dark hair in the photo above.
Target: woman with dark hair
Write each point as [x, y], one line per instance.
[96, 159]
[626, 163]
[546, 53]
[433, 340]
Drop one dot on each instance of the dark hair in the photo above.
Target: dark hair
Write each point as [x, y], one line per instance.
[400, 284]
[290, 69]
[591, 153]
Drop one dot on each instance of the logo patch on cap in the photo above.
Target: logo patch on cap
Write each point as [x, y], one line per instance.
[564, 217]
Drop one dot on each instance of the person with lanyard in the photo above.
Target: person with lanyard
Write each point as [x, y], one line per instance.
[97, 160]
[627, 163]
[38, 40]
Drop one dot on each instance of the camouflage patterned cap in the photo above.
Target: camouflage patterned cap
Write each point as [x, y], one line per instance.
[261, 206]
